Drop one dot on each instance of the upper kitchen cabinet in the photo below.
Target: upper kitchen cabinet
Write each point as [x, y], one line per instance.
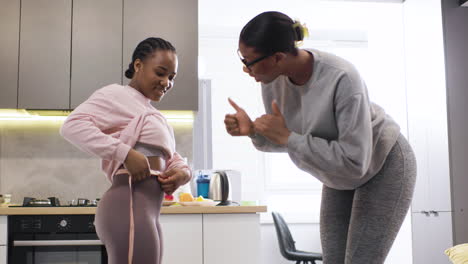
[96, 47]
[177, 22]
[9, 30]
[44, 54]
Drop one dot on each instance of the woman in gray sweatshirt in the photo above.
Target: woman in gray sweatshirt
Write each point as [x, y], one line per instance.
[318, 111]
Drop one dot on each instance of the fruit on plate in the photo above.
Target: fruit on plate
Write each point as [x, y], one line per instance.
[200, 199]
[168, 197]
[186, 197]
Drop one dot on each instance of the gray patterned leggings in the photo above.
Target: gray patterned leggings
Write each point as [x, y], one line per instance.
[113, 219]
[359, 226]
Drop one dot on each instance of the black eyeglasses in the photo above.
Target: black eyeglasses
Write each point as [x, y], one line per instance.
[249, 64]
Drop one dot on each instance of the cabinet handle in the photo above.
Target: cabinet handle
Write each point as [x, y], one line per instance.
[435, 213]
[39, 243]
[425, 212]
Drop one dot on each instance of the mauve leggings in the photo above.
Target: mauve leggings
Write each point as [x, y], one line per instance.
[113, 219]
[359, 226]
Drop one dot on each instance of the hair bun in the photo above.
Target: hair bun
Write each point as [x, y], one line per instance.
[130, 71]
[300, 30]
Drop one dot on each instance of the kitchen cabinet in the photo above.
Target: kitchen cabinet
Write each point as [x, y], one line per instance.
[3, 230]
[432, 211]
[434, 231]
[56, 55]
[430, 144]
[183, 238]
[455, 21]
[9, 30]
[196, 235]
[211, 238]
[3, 239]
[231, 239]
[44, 54]
[96, 47]
[3, 255]
[177, 22]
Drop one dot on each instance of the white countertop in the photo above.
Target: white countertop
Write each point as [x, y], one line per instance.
[4, 210]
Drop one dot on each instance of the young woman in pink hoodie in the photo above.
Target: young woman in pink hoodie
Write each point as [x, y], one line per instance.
[136, 144]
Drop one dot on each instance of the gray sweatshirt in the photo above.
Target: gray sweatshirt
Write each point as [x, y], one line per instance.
[337, 134]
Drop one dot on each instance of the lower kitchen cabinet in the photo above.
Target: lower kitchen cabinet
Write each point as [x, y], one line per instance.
[197, 238]
[211, 238]
[182, 238]
[3, 230]
[3, 255]
[432, 235]
[231, 238]
[3, 238]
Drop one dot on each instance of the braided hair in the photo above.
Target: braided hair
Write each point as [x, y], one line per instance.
[145, 49]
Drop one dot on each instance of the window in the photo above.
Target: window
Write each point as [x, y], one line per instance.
[370, 35]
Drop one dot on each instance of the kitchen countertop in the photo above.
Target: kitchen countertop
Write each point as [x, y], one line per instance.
[4, 210]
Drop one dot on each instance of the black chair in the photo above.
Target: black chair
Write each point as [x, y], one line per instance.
[287, 243]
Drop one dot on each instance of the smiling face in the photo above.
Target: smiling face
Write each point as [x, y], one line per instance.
[155, 75]
[265, 70]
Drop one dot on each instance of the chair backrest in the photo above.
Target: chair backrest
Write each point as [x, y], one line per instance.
[285, 239]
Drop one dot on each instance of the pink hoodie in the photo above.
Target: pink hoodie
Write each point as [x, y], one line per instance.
[112, 120]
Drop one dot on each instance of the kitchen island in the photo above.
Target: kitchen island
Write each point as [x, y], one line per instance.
[198, 235]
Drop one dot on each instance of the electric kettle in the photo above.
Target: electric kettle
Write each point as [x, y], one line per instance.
[219, 189]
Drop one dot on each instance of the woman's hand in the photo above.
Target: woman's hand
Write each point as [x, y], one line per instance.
[171, 180]
[238, 124]
[273, 126]
[137, 165]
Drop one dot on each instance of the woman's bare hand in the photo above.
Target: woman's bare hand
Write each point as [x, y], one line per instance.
[273, 126]
[172, 179]
[238, 124]
[137, 165]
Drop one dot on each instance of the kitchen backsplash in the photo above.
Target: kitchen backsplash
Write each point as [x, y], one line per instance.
[36, 161]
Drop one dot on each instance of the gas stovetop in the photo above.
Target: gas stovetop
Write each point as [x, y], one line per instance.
[55, 202]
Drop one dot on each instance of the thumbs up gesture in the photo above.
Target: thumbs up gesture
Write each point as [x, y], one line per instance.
[273, 126]
[238, 124]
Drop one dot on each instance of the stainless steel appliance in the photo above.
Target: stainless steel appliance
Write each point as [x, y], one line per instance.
[54, 201]
[219, 188]
[53, 239]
